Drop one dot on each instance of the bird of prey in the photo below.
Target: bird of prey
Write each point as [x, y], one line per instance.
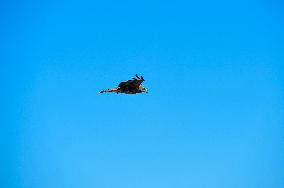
[129, 87]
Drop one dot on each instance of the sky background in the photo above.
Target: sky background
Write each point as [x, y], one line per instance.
[213, 117]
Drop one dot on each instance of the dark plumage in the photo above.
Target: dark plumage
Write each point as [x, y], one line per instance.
[129, 87]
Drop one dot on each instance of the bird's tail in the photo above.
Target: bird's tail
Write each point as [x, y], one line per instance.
[110, 90]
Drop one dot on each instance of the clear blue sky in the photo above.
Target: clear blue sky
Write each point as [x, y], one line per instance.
[213, 117]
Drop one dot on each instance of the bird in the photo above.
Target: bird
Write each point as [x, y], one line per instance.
[132, 86]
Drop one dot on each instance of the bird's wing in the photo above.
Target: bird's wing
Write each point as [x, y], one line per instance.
[122, 84]
[134, 83]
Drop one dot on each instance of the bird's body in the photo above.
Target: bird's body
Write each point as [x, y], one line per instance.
[129, 87]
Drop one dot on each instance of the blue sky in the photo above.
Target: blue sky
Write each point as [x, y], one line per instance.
[213, 116]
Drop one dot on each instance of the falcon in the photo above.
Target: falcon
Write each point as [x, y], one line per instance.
[129, 87]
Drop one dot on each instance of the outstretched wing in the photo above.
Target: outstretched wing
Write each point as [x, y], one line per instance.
[132, 84]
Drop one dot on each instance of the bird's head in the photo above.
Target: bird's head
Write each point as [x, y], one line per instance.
[143, 89]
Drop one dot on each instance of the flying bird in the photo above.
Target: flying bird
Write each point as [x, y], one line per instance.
[129, 87]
